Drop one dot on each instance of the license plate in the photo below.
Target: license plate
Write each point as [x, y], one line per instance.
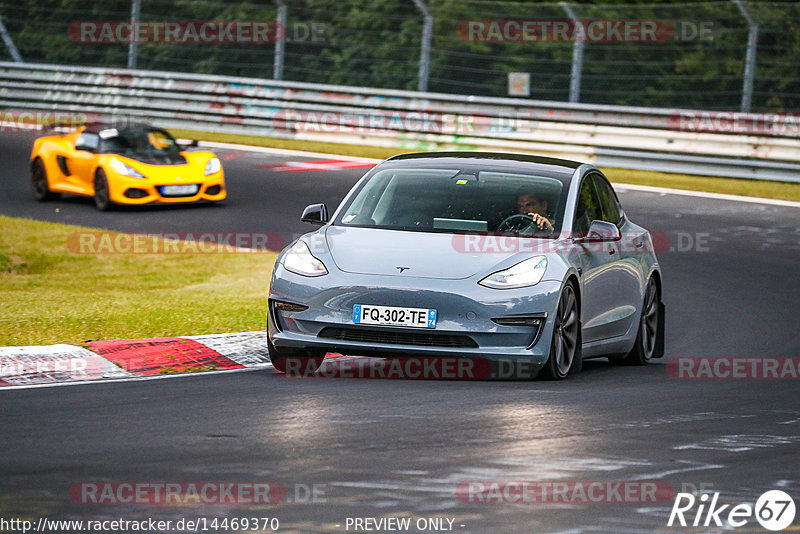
[394, 316]
[178, 190]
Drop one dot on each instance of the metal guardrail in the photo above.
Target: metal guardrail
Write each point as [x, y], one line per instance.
[763, 147]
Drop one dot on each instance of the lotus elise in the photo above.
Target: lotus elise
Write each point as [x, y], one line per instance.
[135, 165]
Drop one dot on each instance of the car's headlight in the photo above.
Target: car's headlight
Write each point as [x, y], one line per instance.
[525, 273]
[213, 166]
[124, 169]
[299, 260]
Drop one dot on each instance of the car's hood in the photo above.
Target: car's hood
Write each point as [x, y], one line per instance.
[421, 254]
[173, 158]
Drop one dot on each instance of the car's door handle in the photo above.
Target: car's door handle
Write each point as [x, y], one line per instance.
[639, 244]
[612, 251]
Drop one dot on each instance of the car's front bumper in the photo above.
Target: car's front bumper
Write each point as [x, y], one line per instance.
[464, 326]
[136, 191]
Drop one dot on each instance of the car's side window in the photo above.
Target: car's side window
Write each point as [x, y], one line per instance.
[608, 200]
[588, 208]
[87, 141]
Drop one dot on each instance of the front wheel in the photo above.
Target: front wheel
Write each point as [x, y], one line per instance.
[102, 197]
[649, 335]
[565, 347]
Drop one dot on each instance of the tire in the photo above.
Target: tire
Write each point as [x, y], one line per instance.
[102, 200]
[565, 347]
[649, 336]
[296, 362]
[41, 189]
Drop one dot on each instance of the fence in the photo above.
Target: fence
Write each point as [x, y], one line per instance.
[707, 143]
[718, 55]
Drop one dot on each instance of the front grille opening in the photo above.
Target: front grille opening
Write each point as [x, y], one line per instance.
[214, 190]
[135, 193]
[390, 337]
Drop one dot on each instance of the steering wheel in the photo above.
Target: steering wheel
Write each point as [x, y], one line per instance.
[518, 222]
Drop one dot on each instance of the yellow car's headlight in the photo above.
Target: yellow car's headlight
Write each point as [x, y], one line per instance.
[125, 170]
[213, 166]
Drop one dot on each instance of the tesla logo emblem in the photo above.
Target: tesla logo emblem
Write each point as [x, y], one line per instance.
[401, 269]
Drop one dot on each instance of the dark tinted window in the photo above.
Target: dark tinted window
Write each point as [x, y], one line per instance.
[608, 200]
[588, 208]
[88, 141]
[447, 200]
[137, 141]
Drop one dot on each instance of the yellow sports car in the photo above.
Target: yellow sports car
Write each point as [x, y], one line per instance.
[138, 164]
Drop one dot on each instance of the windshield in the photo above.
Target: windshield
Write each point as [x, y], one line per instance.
[457, 200]
[138, 141]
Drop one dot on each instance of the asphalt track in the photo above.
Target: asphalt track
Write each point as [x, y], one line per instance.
[398, 448]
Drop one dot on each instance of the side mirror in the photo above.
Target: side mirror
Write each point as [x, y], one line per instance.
[602, 231]
[190, 144]
[315, 214]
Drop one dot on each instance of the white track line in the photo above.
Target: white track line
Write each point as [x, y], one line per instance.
[703, 194]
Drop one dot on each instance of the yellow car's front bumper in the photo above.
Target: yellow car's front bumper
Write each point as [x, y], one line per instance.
[136, 191]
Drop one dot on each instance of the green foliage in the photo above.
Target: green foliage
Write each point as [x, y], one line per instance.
[377, 44]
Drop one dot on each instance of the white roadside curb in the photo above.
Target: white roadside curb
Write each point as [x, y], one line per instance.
[47, 365]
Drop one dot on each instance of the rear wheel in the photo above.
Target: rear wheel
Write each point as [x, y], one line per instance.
[565, 347]
[41, 189]
[644, 348]
[102, 197]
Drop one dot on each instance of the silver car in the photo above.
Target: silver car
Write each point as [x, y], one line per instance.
[491, 257]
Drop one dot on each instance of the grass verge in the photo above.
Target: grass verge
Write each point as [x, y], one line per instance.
[50, 293]
[730, 186]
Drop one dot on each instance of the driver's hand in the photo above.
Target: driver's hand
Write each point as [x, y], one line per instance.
[541, 221]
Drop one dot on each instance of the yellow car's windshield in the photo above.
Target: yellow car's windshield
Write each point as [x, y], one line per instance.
[137, 141]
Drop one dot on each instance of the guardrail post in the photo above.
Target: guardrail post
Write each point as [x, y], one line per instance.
[280, 41]
[750, 58]
[577, 54]
[12, 49]
[425, 46]
[132, 45]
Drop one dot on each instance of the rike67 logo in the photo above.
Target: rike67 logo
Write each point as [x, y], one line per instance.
[774, 510]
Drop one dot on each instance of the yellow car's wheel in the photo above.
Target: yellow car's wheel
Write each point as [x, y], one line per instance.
[41, 189]
[102, 199]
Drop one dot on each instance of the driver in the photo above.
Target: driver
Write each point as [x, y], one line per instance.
[535, 208]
